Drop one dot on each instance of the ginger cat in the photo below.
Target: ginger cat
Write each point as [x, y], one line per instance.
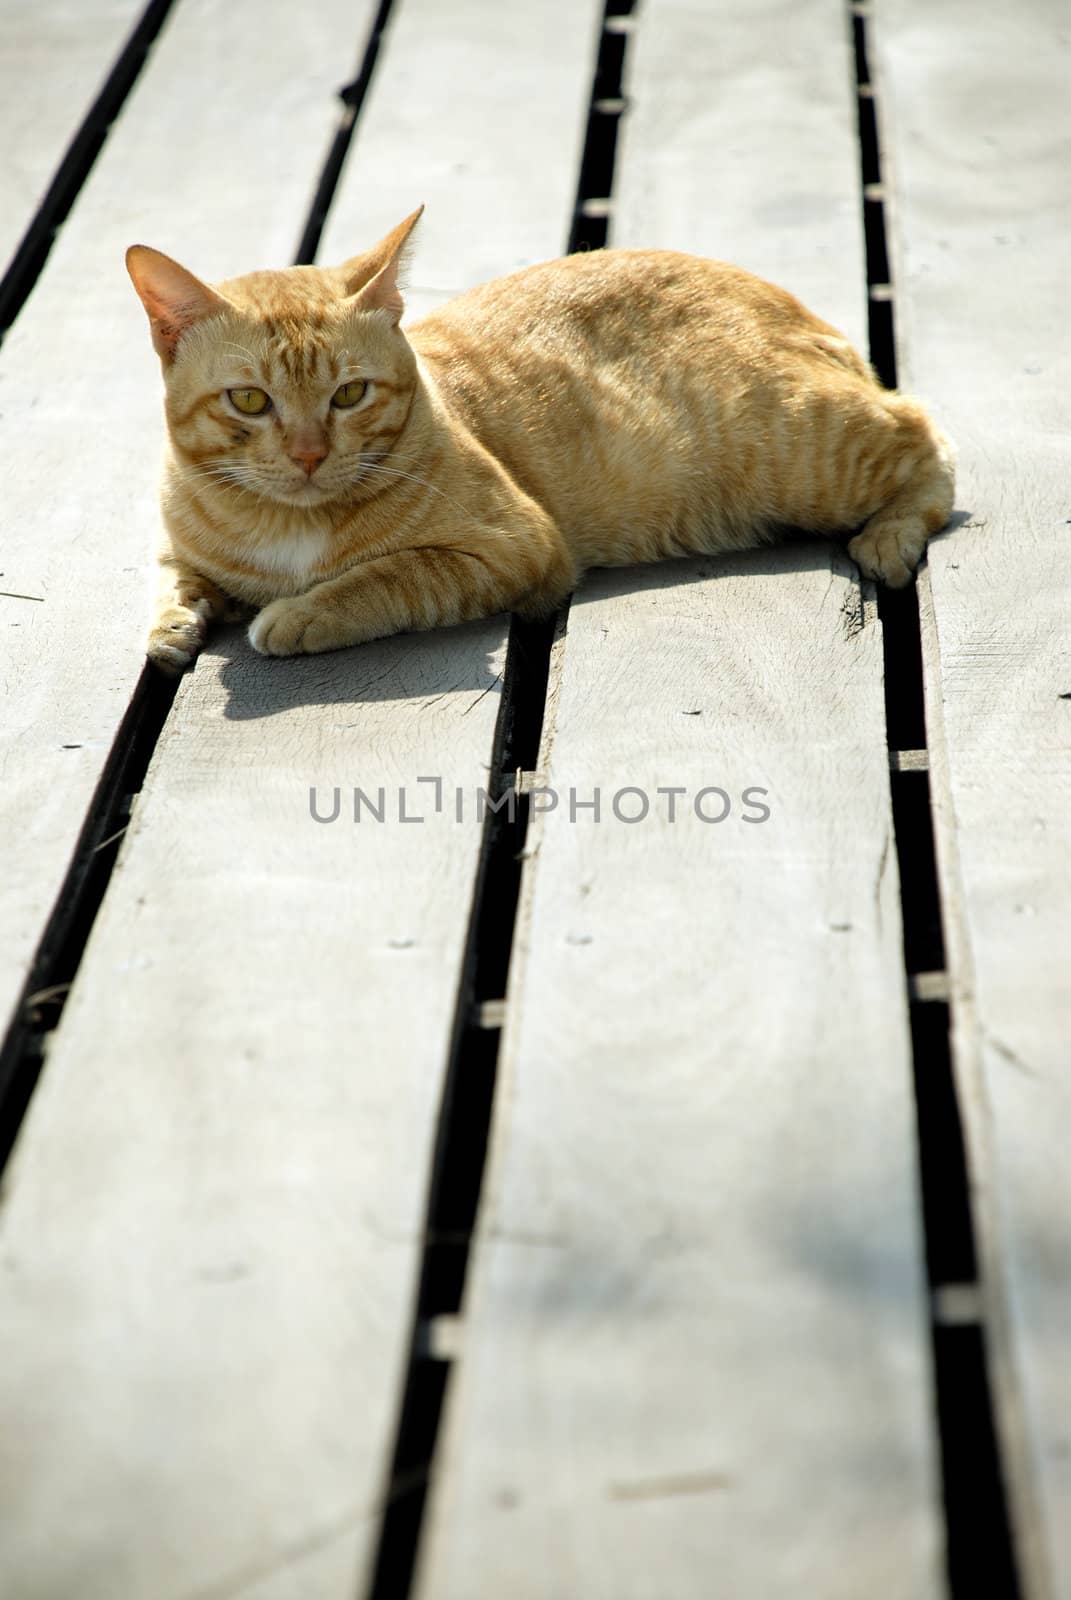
[352, 480]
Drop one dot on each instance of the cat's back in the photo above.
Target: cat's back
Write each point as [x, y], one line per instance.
[584, 291]
[617, 385]
[612, 304]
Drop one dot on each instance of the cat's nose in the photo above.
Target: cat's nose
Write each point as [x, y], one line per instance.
[308, 456]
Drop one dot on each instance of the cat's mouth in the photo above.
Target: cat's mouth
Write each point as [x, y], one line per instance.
[303, 492]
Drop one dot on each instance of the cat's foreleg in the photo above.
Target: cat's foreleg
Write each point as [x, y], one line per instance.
[186, 603]
[413, 590]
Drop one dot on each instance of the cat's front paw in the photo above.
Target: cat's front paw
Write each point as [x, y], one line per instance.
[177, 634]
[293, 628]
[889, 554]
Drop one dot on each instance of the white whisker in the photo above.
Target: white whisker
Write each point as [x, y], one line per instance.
[384, 455]
[370, 467]
[224, 477]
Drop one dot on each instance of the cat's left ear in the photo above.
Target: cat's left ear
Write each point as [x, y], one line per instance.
[173, 297]
[372, 279]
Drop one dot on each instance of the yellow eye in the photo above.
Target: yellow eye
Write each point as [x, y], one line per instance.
[252, 401]
[349, 394]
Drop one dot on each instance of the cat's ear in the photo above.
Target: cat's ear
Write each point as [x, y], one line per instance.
[173, 297]
[372, 279]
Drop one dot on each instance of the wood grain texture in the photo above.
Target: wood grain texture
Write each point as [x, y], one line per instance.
[80, 415]
[695, 1355]
[495, 99]
[764, 172]
[80, 431]
[214, 1212]
[239, 1107]
[977, 117]
[697, 1286]
[53, 61]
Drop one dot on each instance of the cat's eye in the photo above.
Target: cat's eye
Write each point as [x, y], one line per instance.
[349, 394]
[253, 402]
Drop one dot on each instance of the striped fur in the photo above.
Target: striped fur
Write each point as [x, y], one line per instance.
[610, 408]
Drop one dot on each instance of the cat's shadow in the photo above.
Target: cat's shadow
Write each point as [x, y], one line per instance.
[468, 661]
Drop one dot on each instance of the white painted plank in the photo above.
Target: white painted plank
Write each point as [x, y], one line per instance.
[980, 130]
[743, 146]
[265, 1008]
[80, 431]
[695, 1336]
[80, 424]
[53, 61]
[694, 1341]
[214, 1212]
[497, 164]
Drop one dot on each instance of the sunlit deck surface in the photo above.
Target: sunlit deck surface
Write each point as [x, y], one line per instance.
[523, 1203]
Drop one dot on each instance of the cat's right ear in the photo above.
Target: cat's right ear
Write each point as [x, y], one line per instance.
[372, 279]
[173, 297]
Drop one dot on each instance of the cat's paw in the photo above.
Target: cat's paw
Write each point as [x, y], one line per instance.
[889, 554]
[293, 628]
[177, 634]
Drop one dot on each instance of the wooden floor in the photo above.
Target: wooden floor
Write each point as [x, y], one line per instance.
[766, 1291]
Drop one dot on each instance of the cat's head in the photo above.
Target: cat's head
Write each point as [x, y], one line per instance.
[284, 384]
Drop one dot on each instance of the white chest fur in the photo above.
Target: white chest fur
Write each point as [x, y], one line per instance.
[292, 554]
[289, 559]
[254, 552]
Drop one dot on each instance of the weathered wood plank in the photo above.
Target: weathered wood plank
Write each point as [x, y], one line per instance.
[241, 1099]
[697, 1285]
[79, 399]
[214, 1211]
[53, 61]
[764, 172]
[80, 430]
[527, 72]
[980, 130]
[695, 1340]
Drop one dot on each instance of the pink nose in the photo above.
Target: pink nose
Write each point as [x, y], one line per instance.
[309, 457]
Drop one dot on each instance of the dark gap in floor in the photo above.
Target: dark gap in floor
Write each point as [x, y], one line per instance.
[596, 179]
[70, 923]
[609, 69]
[979, 1545]
[950, 1253]
[590, 232]
[68, 928]
[459, 1177]
[464, 1119]
[862, 65]
[981, 1550]
[77, 163]
[877, 255]
[403, 1507]
[919, 892]
[466, 1113]
[468, 1096]
[905, 699]
[527, 669]
[882, 340]
[353, 98]
[880, 312]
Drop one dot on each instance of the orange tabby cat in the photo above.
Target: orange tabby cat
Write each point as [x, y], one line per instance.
[352, 480]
